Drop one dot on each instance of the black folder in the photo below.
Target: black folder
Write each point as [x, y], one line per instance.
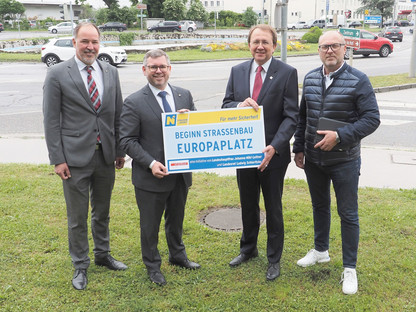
[328, 124]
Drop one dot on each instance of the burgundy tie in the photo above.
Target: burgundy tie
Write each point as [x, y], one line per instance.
[92, 89]
[94, 96]
[258, 82]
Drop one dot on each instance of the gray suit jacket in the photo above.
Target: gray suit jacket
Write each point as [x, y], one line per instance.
[279, 98]
[70, 120]
[141, 136]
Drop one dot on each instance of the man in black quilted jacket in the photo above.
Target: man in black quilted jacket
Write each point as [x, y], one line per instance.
[338, 109]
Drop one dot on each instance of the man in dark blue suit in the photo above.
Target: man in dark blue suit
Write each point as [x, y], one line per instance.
[273, 85]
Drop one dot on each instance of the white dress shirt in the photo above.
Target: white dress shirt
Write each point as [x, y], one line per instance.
[96, 73]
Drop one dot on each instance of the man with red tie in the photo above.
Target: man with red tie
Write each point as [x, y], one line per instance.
[272, 84]
[82, 103]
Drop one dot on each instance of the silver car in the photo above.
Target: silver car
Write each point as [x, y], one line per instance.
[188, 26]
[64, 27]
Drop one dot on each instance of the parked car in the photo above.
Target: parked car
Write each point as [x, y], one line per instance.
[297, 25]
[393, 33]
[61, 49]
[372, 44]
[411, 30]
[113, 26]
[390, 23]
[189, 26]
[62, 27]
[166, 26]
[403, 23]
[1, 27]
[315, 22]
[354, 24]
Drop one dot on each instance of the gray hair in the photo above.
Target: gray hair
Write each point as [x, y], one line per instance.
[155, 54]
[83, 24]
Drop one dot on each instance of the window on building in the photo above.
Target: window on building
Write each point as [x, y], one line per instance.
[218, 3]
[206, 3]
[212, 3]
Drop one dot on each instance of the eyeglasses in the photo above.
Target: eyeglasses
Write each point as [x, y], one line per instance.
[334, 47]
[154, 68]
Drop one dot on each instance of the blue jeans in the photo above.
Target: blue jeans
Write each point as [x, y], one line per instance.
[344, 178]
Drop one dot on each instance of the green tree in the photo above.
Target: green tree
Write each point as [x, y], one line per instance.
[154, 8]
[10, 8]
[249, 17]
[226, 18]
[87, 12]
[378, 7]
[101, 16]
[129, 15]
[174, 10]
[197, 12]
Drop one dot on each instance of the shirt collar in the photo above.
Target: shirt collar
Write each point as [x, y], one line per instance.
[156, 91]
[265, 65]
[331, 73]
[81, 65]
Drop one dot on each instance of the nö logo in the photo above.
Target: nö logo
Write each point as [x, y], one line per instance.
[170, 120]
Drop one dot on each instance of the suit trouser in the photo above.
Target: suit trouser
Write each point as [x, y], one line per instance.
[151, 206]
[271, 183]
[96, 180]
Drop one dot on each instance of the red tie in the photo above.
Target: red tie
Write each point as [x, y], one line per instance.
[92, 89]
[258, 82]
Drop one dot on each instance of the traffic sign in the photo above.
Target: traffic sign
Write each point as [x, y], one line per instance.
[141, 6]
[351, 36]
[141, 15]
[372, 19]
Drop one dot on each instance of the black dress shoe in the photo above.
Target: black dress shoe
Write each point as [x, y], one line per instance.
[79, 281]
[243, 258]
[187, 264]
[111, 263]
[157, 278]
[273, 271]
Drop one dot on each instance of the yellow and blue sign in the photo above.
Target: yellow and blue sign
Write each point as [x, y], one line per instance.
[229, 138]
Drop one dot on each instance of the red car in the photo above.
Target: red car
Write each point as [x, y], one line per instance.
[372, 44]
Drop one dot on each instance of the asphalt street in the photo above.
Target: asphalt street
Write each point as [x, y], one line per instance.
[388, 155]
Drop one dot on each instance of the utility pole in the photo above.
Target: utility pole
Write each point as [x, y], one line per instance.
[280, 23]
[412, 71]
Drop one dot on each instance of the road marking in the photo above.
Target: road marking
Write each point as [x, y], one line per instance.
[390, 112]
[396, 104]
[392, 122]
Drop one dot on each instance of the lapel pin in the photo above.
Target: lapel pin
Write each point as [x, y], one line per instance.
[271, 77]
[179, 94]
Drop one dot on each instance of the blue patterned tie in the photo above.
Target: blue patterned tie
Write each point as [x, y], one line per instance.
[166, 105]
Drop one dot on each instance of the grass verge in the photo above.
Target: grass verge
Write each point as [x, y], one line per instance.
[36, 268]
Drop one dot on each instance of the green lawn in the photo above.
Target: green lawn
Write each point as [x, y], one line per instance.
[36, 269]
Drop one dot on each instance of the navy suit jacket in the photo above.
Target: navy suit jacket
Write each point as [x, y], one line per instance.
[279, 99]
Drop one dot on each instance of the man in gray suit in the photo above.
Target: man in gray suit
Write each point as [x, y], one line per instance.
[81, 105]
[156, 190]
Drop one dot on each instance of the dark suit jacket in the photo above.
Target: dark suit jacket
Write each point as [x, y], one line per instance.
[70, 120]
[141, 136]
[279, 99]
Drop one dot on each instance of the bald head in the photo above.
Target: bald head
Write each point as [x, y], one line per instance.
[332, 35]
[332, 50]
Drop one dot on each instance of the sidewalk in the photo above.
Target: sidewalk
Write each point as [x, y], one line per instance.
[381, 167]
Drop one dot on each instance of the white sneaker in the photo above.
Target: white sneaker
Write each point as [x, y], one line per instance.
[314, 256]
[349, 281]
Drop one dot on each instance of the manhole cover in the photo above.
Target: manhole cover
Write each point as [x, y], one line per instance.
[226, 218]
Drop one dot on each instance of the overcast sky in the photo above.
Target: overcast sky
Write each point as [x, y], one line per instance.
[100, 4]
